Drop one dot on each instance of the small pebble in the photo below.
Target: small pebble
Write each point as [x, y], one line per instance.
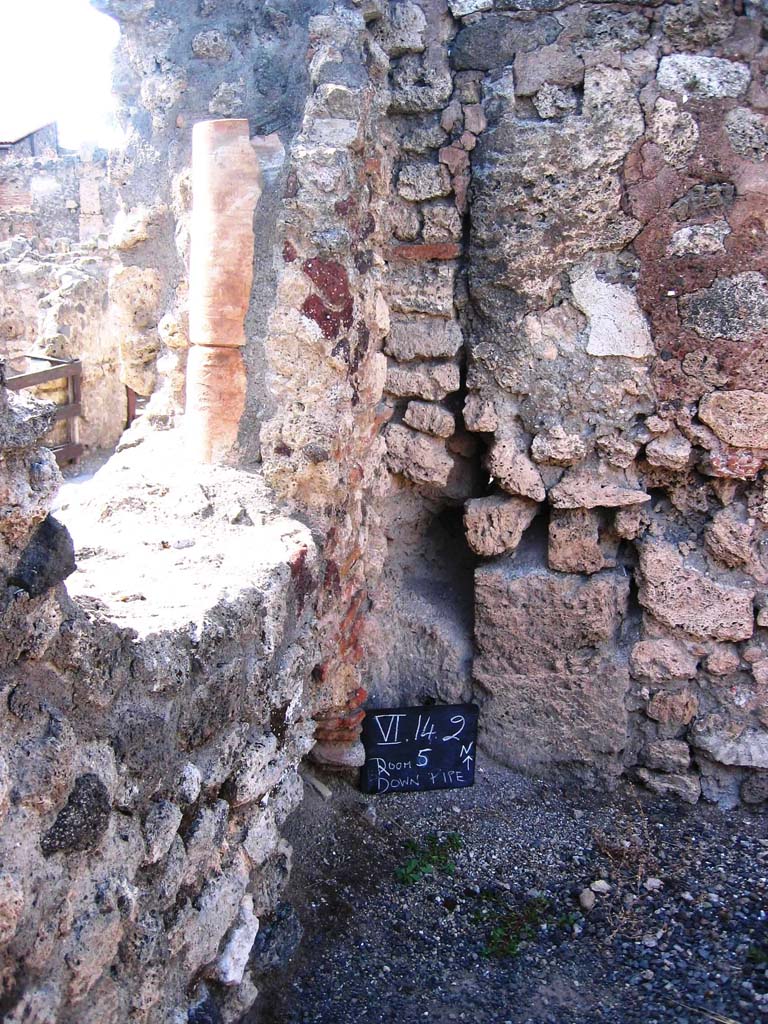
[587, 899]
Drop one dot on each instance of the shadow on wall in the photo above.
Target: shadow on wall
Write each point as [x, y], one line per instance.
[419, 637]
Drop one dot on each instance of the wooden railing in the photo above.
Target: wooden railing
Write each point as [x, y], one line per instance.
[70, 370]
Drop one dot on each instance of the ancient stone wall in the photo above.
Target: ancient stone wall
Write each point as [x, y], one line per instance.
[53, 197]
[149, 738]
[170, 690]
[503, 439]
[54, 269]
[611, 295]
[53, 304]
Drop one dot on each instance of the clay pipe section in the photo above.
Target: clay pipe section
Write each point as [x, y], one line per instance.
[226, 185]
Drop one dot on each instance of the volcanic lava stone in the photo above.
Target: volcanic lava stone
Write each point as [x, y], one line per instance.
[48, 559]
[82, 822]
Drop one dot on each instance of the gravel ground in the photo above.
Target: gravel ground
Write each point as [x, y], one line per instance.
[495, 932]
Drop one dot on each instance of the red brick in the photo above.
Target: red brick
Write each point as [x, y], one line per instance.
[436, 251]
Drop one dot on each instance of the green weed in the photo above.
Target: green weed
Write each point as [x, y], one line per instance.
[510, 927]
[427, 859]
[758, 955]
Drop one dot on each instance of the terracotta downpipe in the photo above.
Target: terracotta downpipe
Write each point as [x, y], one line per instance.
[226, 185]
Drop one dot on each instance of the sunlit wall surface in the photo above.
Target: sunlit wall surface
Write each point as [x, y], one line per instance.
[56, 66]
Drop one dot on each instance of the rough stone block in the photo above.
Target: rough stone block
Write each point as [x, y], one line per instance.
[574, 543]
[431, 380]
[514, 471]
[475, 120]
[755, 788]
[423, 337]
[553, 102]
[160, 827]
[540, 227]
[450, 117]
[668, 756]
[454, 158]
[673, 709]
[687, 787]
[628, 522]
[480, 413]
[661, 661]
[258, 769]
[423, 138]
[48, 559]
[674, 131]
[551, 64]
[230, 966]
[588, 487]
[546, 660]
[556, 447]
[202, 928]
[730, 539]
[686, 599]
[733, 307]
[403, 31]
[418, 182]
[422, 288]
[461, 8]
[430, 419]
[420, 458]
[496, 524]
[188, 784]
[699, 239]
[419, 87]
[723, 660]
[493, 41]
[747, 133]
[617, 450]
[702, 77]
[740, 418]
[82, 822]
[670, 451]
[402, 219]
[211, 45]
[731, 743]
[262, 835]
[695, 25]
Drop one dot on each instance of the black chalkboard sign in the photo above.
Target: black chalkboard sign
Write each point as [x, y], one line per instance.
[412, 749]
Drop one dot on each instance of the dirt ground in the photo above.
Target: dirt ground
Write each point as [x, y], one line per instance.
[470, 905]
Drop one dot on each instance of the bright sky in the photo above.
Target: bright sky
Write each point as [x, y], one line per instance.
[55, 65]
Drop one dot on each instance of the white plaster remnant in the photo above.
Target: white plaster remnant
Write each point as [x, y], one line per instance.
[710, 77]
[617, 326]
[132, 226]
[461, 8]
[230, 967]
[699, 239]
[5, 786]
